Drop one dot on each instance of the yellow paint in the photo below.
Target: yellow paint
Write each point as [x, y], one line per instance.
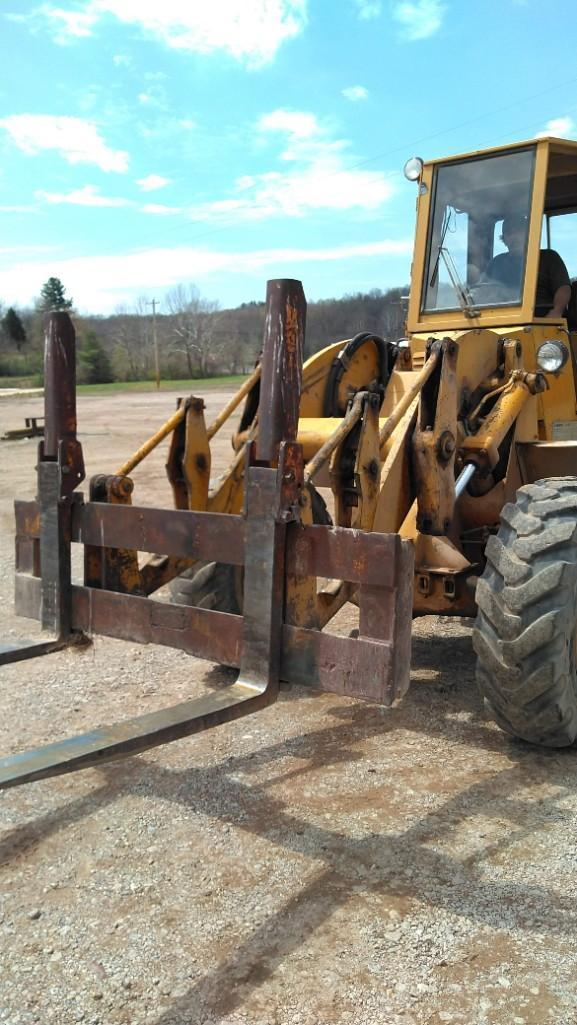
[487, 361]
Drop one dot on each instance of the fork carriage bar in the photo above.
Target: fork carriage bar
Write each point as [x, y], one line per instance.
[310, 657]
[269, 540]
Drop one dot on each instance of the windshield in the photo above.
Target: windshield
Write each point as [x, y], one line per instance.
[478, 232]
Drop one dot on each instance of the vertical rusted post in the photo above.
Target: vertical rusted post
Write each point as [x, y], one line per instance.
[59, 383]
[282, 360]
[60, 469]
[272, 492]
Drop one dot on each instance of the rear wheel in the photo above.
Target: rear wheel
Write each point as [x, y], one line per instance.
[218, 585]
[525, 635]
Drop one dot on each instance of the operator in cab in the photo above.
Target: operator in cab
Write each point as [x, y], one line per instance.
[553, 282]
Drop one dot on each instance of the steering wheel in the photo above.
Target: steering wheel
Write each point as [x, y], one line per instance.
[491, 291]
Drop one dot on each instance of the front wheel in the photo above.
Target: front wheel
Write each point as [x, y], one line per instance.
[525, 634]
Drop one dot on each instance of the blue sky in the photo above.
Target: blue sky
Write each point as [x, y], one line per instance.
[223, 142]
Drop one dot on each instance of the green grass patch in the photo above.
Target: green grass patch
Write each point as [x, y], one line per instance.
[18, 382]
[187, 387]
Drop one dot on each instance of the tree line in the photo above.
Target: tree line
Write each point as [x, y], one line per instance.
[191, 336]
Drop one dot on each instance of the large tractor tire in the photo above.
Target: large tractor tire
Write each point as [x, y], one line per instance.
[209, 585]
[218, 585]
[525, 635]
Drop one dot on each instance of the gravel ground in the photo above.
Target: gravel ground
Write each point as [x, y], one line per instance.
[320, 862]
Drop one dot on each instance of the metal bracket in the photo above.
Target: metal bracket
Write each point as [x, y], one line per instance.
[434, 443]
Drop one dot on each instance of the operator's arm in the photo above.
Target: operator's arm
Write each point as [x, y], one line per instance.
[560, 301]
[556, 281]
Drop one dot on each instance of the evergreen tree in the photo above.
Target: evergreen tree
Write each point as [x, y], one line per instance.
[53, 296]
[14, 328]
[93, 363]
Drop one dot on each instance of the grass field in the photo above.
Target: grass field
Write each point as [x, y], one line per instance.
[187, 387]
[17, 382]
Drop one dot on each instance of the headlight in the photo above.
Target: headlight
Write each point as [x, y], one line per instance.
[413, 169]
[552, 356]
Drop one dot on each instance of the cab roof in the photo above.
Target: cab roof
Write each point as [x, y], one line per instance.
[555, 144]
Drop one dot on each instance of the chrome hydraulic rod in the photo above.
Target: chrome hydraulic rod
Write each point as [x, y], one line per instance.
[463, 479]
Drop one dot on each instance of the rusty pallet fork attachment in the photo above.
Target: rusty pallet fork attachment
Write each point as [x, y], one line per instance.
[269, 539]
[32, 429]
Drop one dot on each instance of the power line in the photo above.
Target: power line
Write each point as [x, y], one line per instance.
[403, 148]
[462, 124]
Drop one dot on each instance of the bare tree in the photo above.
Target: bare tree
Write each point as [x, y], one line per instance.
[129, 334]
[193, 327]
[240, 333]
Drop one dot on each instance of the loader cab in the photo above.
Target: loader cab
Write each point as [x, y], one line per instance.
[457, 275]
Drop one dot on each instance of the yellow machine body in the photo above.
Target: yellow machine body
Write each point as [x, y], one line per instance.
[417, 445]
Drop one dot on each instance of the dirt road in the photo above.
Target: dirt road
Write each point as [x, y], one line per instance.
[320, 862]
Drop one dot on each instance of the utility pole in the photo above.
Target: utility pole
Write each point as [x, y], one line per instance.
[154, 303]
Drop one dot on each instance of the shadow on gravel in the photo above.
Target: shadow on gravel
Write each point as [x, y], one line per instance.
[415, 862]
[405, 864]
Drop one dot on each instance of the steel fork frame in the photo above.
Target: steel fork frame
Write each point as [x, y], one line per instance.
[374, 666]
[272, 495]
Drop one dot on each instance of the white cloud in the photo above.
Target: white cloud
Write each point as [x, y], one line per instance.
[355, 93]
[5, 250]
[154, 96]
[368, 9]
[69, 25]
[419, 19]
[296, 124]
[16, 208]
[88, 195]
[251, 31]
[76, 140]
[561, 127]
[100, 283]
[160, 209]
[152, 182]
[318, 180]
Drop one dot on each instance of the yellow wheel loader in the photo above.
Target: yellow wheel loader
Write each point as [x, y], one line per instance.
[451, 459]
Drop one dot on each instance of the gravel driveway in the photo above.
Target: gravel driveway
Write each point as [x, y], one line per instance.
[320, 862]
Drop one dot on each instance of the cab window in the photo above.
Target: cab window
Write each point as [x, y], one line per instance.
[560, 233]
[466, 255]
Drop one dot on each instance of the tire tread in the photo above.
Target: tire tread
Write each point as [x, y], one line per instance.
[525, 627]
